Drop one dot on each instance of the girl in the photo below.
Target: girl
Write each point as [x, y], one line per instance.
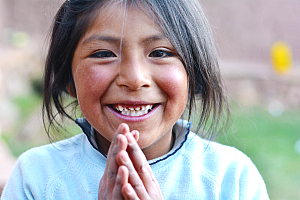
[133, 66]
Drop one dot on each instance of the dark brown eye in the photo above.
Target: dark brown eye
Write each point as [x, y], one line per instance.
[160, 54]
[103, 54]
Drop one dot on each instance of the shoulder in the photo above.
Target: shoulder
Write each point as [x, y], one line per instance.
[208, 152]
[51, 157]
[58, 150]
[216, 159]
[230, 169]
[38, 167]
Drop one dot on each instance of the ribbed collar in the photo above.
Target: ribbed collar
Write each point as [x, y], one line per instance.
[181, 130]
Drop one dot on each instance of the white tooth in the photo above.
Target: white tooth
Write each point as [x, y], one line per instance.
[120, 108]
[140, 113]
[125, 112]
[143, 112]
[130, 113]
[133, 113]
[137, 113]
[148, 108]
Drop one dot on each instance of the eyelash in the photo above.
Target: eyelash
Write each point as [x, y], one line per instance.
[103, 54]
[156, 54]
[162, 54]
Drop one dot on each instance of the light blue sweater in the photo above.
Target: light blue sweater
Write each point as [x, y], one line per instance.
[193, 169]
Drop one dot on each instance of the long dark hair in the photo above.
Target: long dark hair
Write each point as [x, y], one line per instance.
[184, 24]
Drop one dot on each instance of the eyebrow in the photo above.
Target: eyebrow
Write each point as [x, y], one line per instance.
[101, 38]
[154, 38]
[117, 40]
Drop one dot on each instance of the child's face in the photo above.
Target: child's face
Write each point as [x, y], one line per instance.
[126, 66]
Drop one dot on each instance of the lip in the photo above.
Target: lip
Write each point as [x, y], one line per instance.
[134, 118]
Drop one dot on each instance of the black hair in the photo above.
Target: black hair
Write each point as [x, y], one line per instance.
[184, 24]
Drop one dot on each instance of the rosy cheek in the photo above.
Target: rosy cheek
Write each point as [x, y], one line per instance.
[94, 81]
[91, 83]
[175, 82]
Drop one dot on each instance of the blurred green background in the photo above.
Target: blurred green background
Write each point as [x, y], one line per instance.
[265, 105]
[273, 144]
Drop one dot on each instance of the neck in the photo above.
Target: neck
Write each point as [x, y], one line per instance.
[151, 152]
[155, 150]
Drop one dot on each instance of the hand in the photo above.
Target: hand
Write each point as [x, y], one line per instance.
[110, 185]
[127, 173]
[140, 183]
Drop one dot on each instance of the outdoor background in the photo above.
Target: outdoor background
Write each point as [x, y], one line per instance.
[265, 105]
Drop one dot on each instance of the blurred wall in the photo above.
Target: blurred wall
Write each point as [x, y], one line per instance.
[1, 14]
[24, 26]
[246, 29]
[30, 16]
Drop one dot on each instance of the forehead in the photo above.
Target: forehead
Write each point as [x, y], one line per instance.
[119, 20]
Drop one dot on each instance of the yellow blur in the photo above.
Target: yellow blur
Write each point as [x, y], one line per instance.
[281, 57]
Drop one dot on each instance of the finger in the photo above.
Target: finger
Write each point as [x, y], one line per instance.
[119, 143]
[112, 165]
[122, 129]
[121, 179]
[141, 165]
[109, 177]
[140, 162]
[128, 192]
[134, 179]
[136, 135]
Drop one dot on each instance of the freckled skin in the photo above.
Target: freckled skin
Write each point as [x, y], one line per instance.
[145, 70]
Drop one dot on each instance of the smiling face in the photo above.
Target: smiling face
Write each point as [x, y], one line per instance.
[126, 71]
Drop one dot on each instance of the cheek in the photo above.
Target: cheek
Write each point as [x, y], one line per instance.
[174, 83]
[91, 83]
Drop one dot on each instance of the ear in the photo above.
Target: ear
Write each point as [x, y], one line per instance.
[71, 89]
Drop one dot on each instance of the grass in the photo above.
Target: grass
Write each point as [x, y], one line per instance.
[270, 143]
[26, 105]
[28, 130]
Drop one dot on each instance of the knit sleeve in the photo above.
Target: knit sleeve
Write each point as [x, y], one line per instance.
[243, 181]
[15, 187]
[56, 171]
[30, 175]
[251, 184]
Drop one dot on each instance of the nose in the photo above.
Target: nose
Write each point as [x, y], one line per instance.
[134, 74]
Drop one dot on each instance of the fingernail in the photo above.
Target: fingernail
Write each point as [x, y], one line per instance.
[123, 128]
[136, 135]
[124, 157]
[130, 139]
[129, 188]
[120, 128]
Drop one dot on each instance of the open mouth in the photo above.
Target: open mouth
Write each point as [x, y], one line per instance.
[134, 111]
